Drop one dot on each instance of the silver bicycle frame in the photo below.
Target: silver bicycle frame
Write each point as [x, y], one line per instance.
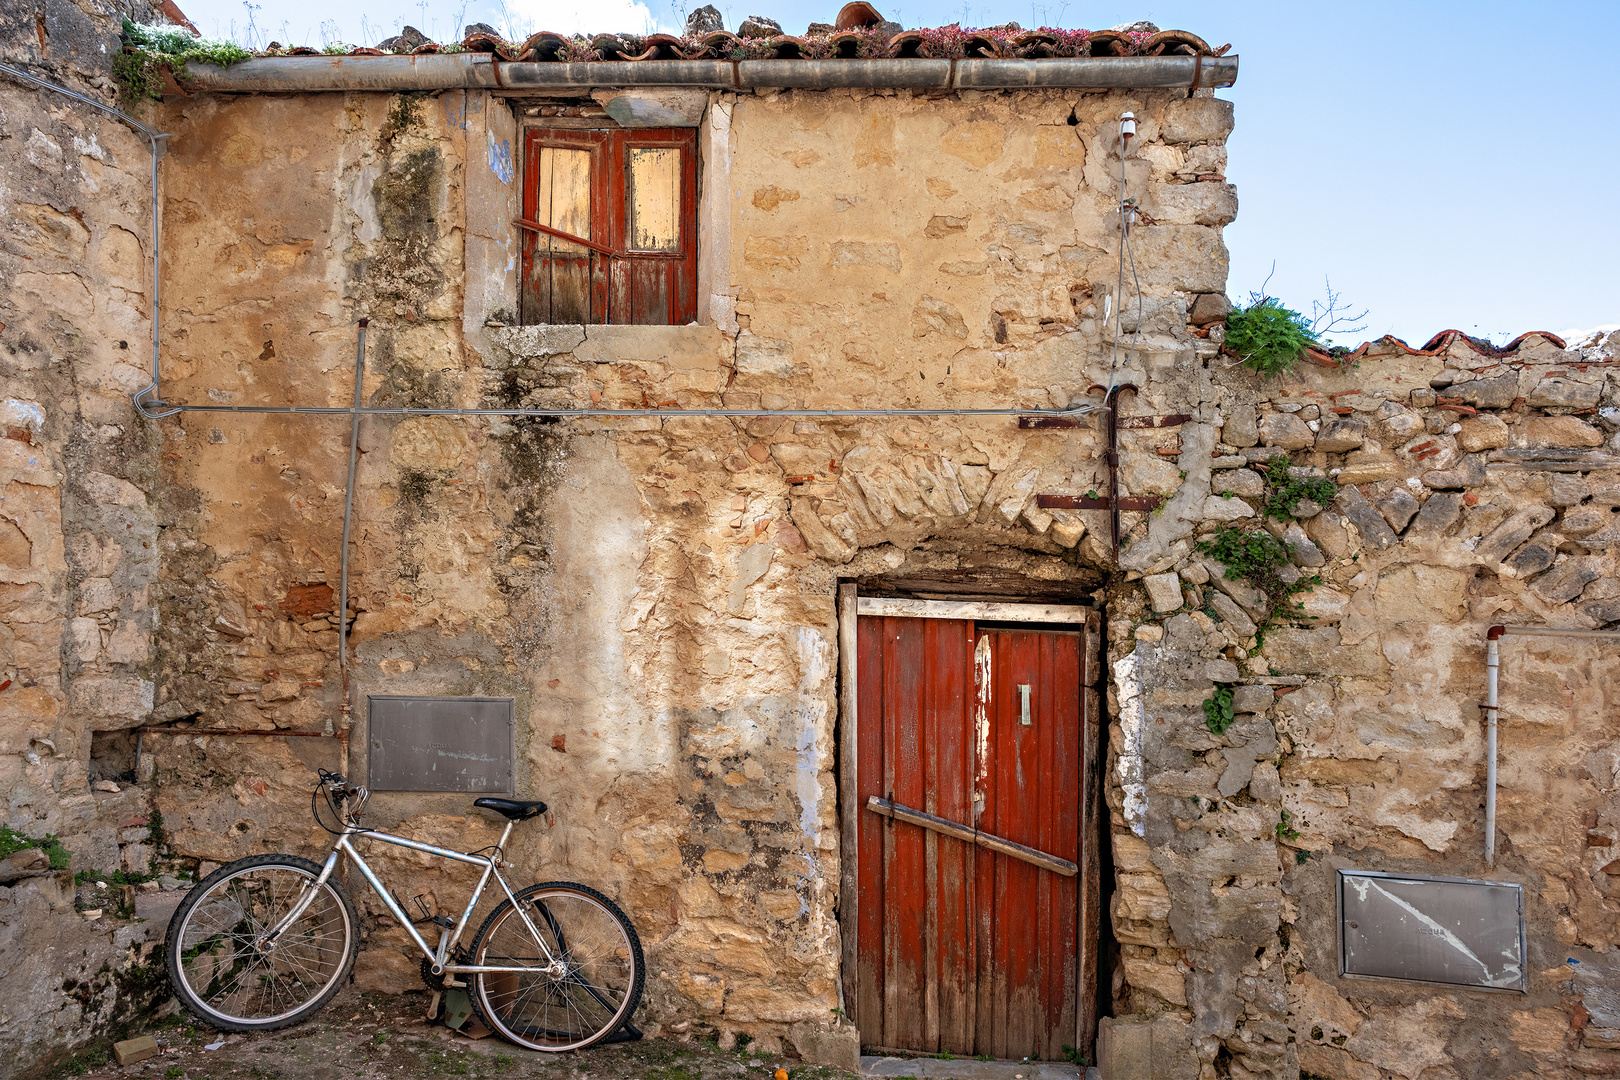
[447, 938]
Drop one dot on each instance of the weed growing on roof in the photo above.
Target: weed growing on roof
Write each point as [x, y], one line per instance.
[12, 842]
[1255, 556]
[1268, 337]
[149, 49]
[1283, 491]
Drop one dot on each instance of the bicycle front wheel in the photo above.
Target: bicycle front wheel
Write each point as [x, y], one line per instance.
[583, 968]
[224, 971]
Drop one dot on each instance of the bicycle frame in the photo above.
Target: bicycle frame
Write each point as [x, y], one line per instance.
[448, 938]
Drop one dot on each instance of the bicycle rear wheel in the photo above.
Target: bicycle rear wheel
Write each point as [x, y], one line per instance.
[223, 973]
[583, 993]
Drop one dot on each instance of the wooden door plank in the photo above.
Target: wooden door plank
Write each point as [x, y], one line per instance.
[929, 734]
[905, 863]
[848, 799]
[1020, 795]
[870, 684]
[988, 659]
[955, 801]
[1043, 742]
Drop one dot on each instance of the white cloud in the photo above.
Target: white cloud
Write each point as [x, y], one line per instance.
[524, 17]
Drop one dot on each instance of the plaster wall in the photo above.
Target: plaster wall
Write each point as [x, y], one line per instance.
[657, 597]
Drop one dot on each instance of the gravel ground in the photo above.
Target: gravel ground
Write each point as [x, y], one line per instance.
[362, 1036]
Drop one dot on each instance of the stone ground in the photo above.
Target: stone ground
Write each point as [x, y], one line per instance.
[363, 1036]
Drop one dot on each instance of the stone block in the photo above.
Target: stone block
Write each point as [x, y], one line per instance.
[1566, 580]
[1287, 431]
[1244, 482]
[1566, 489]
[1209, 308]
[1338, 436]
[1483, 432]
[838, 1047]
[140, 1048]
[1164, 591]
[1535, 556]
[1221, 508]
[1252, 699]
[1125, 1048]
[1194, 120]
[1440, 512]
[1399, 508]
[1497, 393]
[1470, 472]
[1513, 532]
[1366, 472]
[1317, 651]
[1232, 615]
[1375, 531]
[1561, 431]
[1558, 393]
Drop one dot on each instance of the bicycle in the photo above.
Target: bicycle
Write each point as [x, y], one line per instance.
[265, 942]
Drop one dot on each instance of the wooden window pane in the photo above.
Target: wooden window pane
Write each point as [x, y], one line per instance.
[564, 196]
[654, 198]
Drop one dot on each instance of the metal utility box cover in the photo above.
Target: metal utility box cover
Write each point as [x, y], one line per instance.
[440, 744]
[1450, 931]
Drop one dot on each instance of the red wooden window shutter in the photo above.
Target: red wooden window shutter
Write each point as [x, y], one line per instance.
[609, 226]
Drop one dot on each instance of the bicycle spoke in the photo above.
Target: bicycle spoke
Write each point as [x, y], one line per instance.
[232, 975]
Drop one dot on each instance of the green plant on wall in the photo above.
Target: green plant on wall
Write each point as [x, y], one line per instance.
[1257, 557]
[12, 842]
[1283, 491]
[1268, 337]
[149, 49]
[1218, 710]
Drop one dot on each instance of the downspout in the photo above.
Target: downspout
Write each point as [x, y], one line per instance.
[1493, 659]
[348, 521]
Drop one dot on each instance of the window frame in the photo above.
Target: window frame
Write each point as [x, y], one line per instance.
[626, 287]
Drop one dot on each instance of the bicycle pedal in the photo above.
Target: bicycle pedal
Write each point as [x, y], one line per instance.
[451, 980]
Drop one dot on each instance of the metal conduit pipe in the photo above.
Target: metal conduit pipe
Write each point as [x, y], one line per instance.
[451, 71]
[348, 521]
[664, 414]
[153, 139]
[1493, 664]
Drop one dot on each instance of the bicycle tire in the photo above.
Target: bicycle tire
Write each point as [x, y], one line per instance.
[593, 995]
[309, 959]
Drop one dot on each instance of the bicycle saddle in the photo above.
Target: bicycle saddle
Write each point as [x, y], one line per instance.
[512, 809]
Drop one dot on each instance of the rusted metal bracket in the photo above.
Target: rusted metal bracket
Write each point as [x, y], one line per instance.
[1129, 423]
[892, 810]
[1098, 502]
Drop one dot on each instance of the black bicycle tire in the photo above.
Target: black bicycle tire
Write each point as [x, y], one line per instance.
[633, 998]
[171, 946]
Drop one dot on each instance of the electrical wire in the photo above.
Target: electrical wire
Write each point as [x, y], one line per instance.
[339, 410]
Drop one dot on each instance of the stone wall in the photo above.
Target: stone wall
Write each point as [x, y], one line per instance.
[78, 534]
[1474, 487]
[657, 596]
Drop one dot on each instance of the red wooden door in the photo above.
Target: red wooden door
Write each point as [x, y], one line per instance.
[964, 949]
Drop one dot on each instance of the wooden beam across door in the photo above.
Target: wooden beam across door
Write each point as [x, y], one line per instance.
[890, 809]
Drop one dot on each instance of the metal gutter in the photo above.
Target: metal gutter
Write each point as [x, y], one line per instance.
[318, 74]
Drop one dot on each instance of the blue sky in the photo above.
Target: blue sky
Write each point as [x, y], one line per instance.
[1446, 165]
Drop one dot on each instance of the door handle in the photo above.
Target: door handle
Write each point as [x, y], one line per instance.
[1023, 693]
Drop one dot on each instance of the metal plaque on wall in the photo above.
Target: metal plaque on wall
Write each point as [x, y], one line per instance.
[1450, 931]
[440, 744]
